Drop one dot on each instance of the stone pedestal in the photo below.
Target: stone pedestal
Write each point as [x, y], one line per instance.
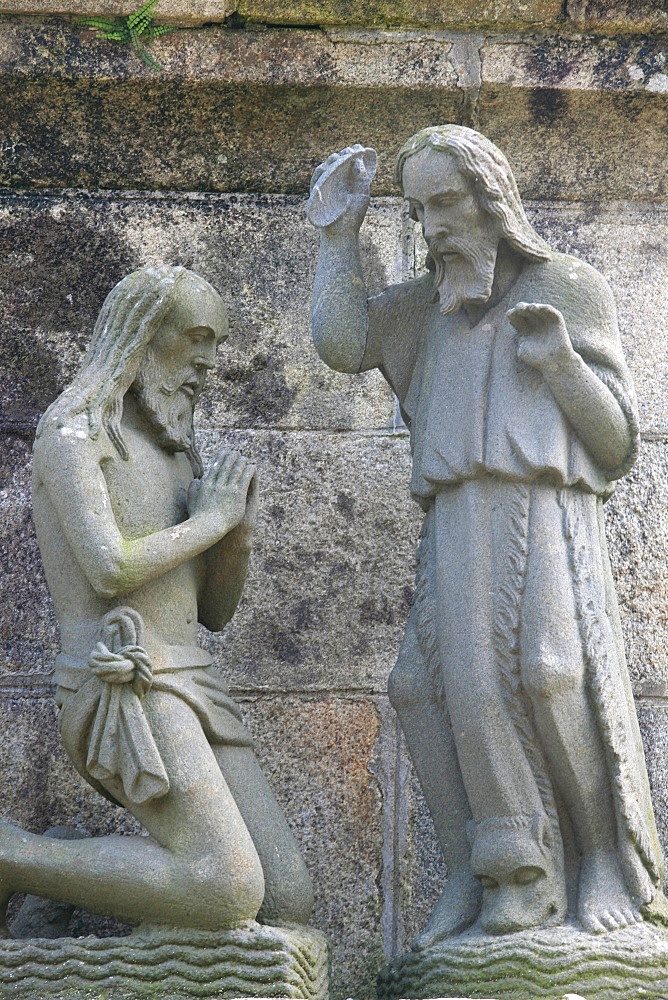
[250, 961]
[632, 962]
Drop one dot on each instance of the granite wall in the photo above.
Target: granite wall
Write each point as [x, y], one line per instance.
[107, 165]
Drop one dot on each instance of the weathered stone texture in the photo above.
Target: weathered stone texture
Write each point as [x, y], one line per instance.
[653, 718]
[170, 10]
[253, 110]
[28, 632]
[618, 15]
[318, 755]
[231, 110]
[40, 788]
[331, 577]
[637, 529]
[469, 13]
[331, 580]
[629, 244]
[493, 13]
[62, 255]
[575, 112]
[610, 15]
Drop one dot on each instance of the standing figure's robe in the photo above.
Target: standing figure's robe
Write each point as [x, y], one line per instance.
[514, 597]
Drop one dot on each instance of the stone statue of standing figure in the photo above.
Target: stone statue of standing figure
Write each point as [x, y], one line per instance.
[139, 545]
[511, 684]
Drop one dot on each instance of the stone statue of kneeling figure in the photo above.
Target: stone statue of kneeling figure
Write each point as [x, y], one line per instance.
[138, 547]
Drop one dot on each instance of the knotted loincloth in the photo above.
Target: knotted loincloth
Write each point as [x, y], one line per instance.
[102, 720]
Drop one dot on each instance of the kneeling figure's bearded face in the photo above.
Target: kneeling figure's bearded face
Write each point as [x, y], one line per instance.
[173, 370]
[167, 400]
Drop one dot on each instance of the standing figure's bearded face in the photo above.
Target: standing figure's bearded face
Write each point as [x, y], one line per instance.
[462, 237]
[172, 373]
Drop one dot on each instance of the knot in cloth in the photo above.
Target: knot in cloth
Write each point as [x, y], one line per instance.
[129, 665]
[121, 748]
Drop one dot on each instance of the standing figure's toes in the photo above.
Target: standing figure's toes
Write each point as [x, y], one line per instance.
[604, 902]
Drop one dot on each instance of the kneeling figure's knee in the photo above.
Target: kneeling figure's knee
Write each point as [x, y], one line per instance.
[225, 895]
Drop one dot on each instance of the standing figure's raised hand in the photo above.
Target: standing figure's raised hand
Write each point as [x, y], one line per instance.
[340, 189]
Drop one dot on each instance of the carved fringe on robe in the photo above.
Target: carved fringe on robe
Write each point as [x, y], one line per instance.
[425, 609]
[505, 638]
[609, 689]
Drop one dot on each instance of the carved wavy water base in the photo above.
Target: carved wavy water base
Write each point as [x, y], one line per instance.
[632, 962]
[250, 961]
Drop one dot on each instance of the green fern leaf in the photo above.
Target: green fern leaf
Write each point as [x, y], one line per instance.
[146, 56]
[129, 30]
[100, 23]
[142, 17]
[158, 30]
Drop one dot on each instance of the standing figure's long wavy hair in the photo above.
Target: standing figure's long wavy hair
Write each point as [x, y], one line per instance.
[128, 320]
[497, 190]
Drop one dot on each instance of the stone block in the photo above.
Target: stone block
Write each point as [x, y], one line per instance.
[627, 243]
[581, 118]
[62, 255]
[170, 964]
[618, 15]
[460, 13]
[637, 531]
[39, 786]
[170, 11]
[574, 111]
[331, 576]
[319, 755]
[653, 719]
[229, 111]
[28, 630]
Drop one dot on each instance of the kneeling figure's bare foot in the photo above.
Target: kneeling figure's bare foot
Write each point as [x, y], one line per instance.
[10, 836]
[604, 902]
[457, 909]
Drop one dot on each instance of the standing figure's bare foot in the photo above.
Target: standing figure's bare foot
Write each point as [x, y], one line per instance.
[604, 902]
[457, 909]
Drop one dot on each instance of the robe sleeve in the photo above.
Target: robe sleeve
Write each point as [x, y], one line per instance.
[396, 322]
[585, 300]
